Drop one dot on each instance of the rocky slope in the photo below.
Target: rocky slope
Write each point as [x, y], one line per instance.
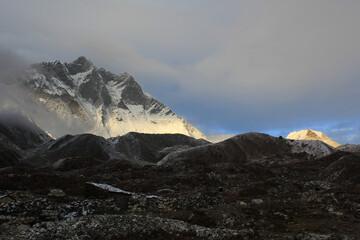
[17, 137]
[103, 103]
[310, 134]
[72, 152]
[250, 147]
[349, 148]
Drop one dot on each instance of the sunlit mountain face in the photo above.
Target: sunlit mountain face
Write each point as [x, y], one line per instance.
[99, 101]
[310, 134]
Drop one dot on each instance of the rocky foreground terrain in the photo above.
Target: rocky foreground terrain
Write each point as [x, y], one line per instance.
[251, 186]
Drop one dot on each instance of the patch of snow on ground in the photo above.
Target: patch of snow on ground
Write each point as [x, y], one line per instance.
[110, 188]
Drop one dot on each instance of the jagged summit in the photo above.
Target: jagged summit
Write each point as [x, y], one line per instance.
[107, 104]
[81, 64]
[309, 134]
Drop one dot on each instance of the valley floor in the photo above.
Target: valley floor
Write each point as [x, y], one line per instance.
[302, 199]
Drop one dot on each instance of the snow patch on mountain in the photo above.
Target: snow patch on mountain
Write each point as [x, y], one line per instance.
[115, 90]
[315, 148]
[80, 78]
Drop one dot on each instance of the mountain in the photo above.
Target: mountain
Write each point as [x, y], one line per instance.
[18, 135]
[310, 134]
[72, 152]
[250, 147]
[349, 148]
[84, 150]
[102, 102]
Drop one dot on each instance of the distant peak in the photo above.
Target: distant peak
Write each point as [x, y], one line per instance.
[309, 131]
[127, 77]
[81, 64]
[310, 134]
[56, 62]
[82, 60]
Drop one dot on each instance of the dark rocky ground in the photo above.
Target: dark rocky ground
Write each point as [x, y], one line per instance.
[299, 198]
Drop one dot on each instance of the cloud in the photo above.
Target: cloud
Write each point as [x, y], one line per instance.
[288, 51]
[16, 103]
[233, 66]
[284, 65]
[111, 34]
[346, 132]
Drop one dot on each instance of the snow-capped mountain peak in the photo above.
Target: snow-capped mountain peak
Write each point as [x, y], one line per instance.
[107, 104]
[309, 134]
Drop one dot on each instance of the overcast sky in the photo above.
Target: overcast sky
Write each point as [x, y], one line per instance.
[226, 66]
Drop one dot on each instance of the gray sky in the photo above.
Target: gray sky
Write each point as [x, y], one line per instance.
[226, 66]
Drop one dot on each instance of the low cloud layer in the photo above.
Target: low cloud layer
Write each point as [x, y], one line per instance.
[16, 103]
[231, 67]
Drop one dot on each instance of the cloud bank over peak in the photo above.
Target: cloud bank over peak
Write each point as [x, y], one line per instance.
[233, 66]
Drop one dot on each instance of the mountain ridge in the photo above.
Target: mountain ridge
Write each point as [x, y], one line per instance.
[105, 103]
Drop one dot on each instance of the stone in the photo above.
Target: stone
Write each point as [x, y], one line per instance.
[257, 201]
[22, 227]
[56, 193]
[242, 204]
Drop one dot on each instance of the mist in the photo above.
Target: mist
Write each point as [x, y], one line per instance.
[16, 102]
